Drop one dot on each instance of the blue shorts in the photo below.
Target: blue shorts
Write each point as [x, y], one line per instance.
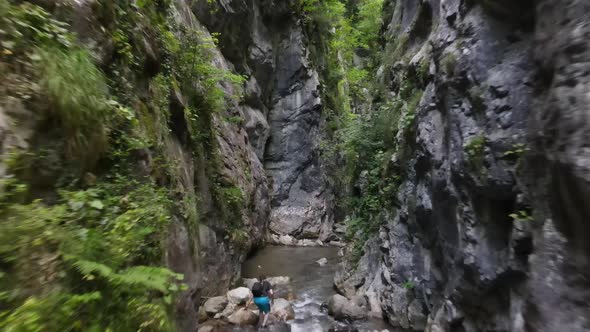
[263, 303]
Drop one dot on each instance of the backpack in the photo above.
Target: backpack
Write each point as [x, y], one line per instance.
[258, 289]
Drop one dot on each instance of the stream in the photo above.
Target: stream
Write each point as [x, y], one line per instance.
[310, 286]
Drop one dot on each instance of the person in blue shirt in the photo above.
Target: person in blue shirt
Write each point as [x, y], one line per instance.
[263, 293]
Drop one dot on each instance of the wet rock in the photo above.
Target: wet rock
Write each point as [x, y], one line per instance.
[286, 240]
[416, 316]
[229, 309]
[239, 295]
[307, 243]
[213, 326]
[206, 328]
[243, 317]
[343, 329]
[359, 300]
[279, 281]
[341, 308]
[322, 261]
[277, 326]
[282, 309]
[215, 305]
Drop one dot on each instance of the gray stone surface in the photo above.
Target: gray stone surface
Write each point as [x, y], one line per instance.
[559, 178]
[282, 309]
[448, 241]
[282, 108]
[299, 204]
[342, 308]
[215, 305]
[239, 295]
[243, 317]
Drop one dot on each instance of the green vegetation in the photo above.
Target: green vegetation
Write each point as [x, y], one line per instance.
[408, 285]
[81, 247]
[369, 124]
[517, 150]
[476, 97]
[98, 245]
[449, 63]
[475, 150]
[521, 215]
[77, 93]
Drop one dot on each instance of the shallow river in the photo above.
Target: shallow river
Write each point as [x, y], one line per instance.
[311, 284]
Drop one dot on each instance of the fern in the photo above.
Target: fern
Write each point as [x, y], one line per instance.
[144, 277]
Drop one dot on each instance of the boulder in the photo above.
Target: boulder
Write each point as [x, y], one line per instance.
[243, 317]
[249, 282]
[206, 328]
[215, 305]
[229, 309]
[306, 243]
[202, 315]
[352, 311]
[287, 240]
[277, 327]
[359, 300]
[239, 295]
[322, 261]
[278, 281]
[283, 309]
[341, 308]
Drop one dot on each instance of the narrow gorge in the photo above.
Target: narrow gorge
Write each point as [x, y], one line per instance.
[148, 148]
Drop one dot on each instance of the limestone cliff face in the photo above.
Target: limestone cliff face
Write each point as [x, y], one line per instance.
[455, 252]
[265, 41]
[559, 177]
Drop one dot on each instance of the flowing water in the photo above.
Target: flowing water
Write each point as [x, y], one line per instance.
[310, 286]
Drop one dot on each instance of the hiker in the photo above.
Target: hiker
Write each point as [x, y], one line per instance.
[263, 294]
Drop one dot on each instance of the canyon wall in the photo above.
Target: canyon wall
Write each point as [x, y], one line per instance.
[222, 109]
[485, 231]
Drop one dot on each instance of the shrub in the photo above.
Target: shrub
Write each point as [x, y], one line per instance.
[78, 96]
[475, 150]
[83, 264]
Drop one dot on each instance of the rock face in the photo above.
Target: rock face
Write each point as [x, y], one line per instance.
[559, 178]
[456, 251]
[263, 39]
[215, 305]
[342, 308]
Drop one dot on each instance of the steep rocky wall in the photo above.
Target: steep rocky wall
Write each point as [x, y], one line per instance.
[232, 172]
[266, 42]
[559, 178]
[451, 258]
[205, 241]
[487, 231]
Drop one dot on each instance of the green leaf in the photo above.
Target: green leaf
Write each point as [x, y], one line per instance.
[97, 204]
[8, 44]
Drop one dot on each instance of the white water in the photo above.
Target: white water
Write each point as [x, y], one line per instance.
[311, 285]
